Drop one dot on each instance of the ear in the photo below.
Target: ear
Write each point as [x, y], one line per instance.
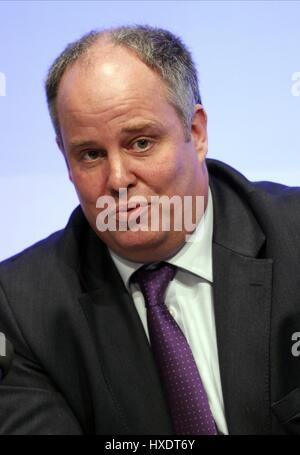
[199, 131]
[60, 145]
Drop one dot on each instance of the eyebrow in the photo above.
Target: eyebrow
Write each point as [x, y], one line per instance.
[140, 127]
[133, 129]
[78, 143]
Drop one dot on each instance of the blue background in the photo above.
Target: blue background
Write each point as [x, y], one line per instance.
[246, 54]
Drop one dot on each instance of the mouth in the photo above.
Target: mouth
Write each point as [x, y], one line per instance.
[123, 213]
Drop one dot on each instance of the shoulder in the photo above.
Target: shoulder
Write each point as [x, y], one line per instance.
[41, 283]
[261, 192]
[272, 207]
[31, 262]
[41, 262]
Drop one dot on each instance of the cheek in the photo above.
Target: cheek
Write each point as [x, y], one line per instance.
[88, 185]
[173, 170]
[182, 173]
[160, 178]
[165, 170]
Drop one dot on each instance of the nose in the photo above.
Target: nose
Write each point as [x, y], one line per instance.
[120, 173]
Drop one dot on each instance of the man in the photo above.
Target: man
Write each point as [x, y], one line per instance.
[129, 121]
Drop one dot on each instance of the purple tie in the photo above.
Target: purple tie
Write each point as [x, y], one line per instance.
[185, 394]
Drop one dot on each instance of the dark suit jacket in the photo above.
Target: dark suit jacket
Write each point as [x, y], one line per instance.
[83, 363]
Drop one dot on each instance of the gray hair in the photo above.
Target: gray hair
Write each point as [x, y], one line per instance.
[159, 49]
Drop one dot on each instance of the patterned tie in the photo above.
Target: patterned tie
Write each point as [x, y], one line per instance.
[185, 394]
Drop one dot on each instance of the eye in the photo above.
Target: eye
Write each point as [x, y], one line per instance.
[91, 155]
[141, 145]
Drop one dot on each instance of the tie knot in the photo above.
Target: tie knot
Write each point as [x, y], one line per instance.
[154, 281]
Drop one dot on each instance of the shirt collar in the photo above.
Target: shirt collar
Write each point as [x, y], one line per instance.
[195, 256]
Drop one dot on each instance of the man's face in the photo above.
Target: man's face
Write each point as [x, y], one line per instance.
[118, 130]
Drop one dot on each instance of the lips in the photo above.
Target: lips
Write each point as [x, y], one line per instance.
[127, 208]
[124, 212]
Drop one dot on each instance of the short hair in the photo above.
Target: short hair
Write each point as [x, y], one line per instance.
[159, 49]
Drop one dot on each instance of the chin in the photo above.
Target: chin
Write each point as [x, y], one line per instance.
[133, 240]
[143, 246]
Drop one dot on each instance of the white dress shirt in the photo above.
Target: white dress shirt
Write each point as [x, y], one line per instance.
[189, 299]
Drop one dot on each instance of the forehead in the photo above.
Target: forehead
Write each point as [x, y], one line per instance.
[108, 76]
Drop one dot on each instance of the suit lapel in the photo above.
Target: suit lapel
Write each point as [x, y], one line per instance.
[242, 310]
[242, 301]
[124, 352]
